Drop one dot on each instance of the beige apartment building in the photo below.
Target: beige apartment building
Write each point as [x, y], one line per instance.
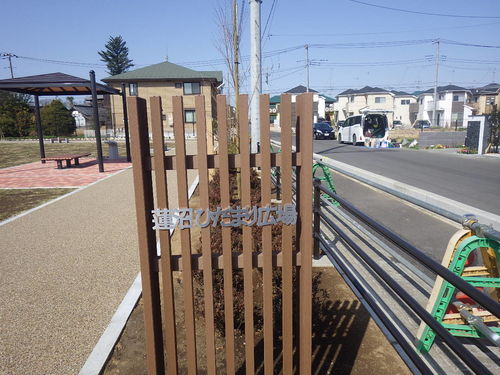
[167, 80]
[396, 103]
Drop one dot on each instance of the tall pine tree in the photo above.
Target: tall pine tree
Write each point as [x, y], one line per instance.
[116, 55]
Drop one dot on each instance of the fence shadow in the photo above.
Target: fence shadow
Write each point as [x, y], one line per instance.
[338, 331]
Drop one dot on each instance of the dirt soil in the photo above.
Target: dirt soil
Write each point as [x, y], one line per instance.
[15, 201]
[345, 341]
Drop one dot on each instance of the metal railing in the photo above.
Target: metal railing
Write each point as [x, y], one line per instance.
[340, 262]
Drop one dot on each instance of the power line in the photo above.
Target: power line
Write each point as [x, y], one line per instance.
[418, 12]
[389, 32]
[446, 41]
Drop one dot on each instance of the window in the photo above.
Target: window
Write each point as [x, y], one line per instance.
[490, 100]
[379, 99]
[356, 120]
[191, 88]
[132, 89]
[456, 98]
[441, 97]
[405, 101]
[178, 85]
[189, 116]
[421, 100]
[351, 99]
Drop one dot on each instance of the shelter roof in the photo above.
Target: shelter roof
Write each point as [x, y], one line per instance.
[164, 71]
[53, 84]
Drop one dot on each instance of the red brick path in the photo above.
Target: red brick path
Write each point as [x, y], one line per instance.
[47, 175]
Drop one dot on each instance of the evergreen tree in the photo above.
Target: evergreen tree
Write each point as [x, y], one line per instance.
[116, 55]
[16, 120]
[57, 119]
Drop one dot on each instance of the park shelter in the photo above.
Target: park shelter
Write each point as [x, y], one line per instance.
[53, 84]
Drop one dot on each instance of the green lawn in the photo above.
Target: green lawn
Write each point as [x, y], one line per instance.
[15, 153]
[15, 201]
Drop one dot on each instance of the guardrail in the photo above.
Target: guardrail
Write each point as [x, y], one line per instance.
[339, 261]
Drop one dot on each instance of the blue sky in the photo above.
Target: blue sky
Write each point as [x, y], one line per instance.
[186, 32]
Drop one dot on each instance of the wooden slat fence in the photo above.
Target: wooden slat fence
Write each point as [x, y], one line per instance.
[294, 256]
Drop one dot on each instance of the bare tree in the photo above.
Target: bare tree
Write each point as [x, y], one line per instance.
[228, 20]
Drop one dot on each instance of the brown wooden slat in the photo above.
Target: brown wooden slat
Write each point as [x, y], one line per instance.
[287, 233]
[143, 190]
[182, 192]
[306, 236]
[205, 235]
[247, 234]
[164, 236]
[267, 239]
[238, 261]
[226, 232]
[234, 161]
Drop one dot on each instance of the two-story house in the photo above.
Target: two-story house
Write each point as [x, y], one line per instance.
[322, 105]
[166, 80]
[451, 109]
[395, 103]
[485, 98]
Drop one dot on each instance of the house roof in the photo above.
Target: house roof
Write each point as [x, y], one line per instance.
[299, 90]
[275, 99]
[401, 93]
[164, 71]
[53, 84]
[328, 99]
[491, 88]
[364, 90]
[446, 88]
[85, 110]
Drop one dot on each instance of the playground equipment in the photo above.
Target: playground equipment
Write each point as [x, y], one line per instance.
[458, 313]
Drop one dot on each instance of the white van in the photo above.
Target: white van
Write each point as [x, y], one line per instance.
[364, 128]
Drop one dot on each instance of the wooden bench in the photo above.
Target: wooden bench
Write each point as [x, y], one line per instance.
[68, 157]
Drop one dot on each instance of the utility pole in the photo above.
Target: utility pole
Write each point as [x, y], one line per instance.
[10, 56]
[434, 112]
[255, 74]
[307, 65]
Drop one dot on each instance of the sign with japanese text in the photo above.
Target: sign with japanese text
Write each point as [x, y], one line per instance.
[169, 219]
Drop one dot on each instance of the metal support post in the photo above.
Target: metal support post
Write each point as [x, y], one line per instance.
[317, 208]
[125, 122]
[39, 129]
[96, 121]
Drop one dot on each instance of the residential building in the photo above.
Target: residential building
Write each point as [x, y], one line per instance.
[167, 80]
[484, 99]
[452, 106]
[395, 103]
[322, 105]
[84, 118]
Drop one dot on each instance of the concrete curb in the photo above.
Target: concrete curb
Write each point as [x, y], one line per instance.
[102, 350]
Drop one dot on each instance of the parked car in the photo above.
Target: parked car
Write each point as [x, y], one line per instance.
[367, 128]
[396, 124]
[323, 130]
[422, 124]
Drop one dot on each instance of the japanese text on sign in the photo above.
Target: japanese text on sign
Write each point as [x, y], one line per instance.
[169, 219]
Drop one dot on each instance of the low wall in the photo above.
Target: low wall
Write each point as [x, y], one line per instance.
[450, 139]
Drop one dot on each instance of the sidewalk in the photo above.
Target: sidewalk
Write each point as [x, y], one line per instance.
[65, 268]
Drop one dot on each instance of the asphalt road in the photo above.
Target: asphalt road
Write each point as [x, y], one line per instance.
[472, 180]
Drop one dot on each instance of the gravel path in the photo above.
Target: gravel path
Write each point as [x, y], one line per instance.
[65, 269]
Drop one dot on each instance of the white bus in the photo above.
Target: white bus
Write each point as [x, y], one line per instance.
[364, 128]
